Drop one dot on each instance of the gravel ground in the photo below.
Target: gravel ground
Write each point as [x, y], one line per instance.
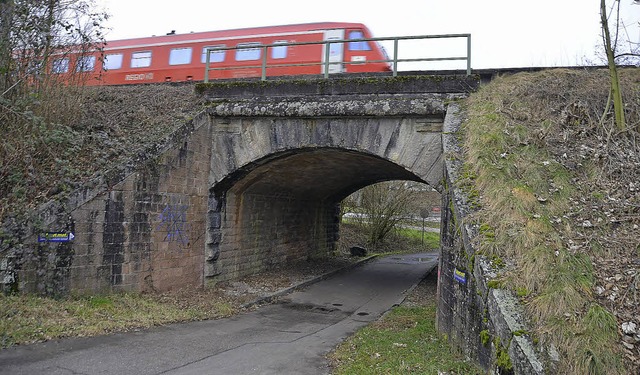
[260, 288]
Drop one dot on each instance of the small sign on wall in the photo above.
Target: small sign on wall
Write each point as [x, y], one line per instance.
[460, 276]
[56, 237]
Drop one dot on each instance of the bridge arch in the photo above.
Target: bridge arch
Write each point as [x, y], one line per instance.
[276, 181]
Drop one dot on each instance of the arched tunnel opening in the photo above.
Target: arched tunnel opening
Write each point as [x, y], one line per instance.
[286, 207]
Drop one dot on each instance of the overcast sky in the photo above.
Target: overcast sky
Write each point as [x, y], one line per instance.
[505, 33]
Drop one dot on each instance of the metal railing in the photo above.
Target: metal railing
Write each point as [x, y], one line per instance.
[394, 61]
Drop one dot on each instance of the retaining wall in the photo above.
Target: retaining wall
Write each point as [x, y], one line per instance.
[486, 324]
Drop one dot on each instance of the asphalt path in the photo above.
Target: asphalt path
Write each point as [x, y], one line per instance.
[292, 336]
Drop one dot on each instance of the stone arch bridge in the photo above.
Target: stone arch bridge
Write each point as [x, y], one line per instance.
[252, 181]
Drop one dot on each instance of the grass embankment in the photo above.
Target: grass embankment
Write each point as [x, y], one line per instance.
[405, 341]
[541, 194]
[27, 319]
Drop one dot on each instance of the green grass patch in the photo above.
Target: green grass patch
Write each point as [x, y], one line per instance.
[405, 341]
[28, 319]
[420, 239]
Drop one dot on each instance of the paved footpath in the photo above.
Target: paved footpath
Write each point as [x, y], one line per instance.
[292, 336]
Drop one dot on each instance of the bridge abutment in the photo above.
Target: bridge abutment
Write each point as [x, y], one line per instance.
[253, 181]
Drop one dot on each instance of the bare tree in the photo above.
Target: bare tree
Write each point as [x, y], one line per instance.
[36, 106]
[381, 207]
[33, 32]
[610, 45]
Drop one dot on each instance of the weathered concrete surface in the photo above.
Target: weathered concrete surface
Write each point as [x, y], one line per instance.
[291, 337]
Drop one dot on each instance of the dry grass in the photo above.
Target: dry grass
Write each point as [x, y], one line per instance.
[77, 132]
[529, 161]
[26, 319]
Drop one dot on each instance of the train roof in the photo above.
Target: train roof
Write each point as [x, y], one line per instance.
[230, 34]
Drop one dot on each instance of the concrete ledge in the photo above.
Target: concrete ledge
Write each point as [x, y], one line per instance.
[377, 105]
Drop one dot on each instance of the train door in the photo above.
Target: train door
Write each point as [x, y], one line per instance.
[336, 51]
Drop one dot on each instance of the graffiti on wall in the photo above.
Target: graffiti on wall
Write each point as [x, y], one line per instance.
[173, 221]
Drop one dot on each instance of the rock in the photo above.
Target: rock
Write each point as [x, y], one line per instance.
[629, 328]
[358, 251]
[628, 339]
[628, 346]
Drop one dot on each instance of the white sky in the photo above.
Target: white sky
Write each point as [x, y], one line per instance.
[505, 33]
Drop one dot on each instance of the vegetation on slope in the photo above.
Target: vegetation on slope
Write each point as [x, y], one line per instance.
[61, 139]
[404, 341]
[557, 189]
[26, 319]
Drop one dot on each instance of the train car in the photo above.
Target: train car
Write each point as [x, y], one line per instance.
[236, 54]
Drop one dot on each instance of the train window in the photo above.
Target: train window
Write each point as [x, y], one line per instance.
[85, 63]
[359, 45]
[279, 52]
[251, 52]
[141, 59]
[60, 66]
[180, 56]
[214, 56]
[112, 61]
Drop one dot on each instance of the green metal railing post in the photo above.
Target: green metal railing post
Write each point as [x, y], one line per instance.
[395, 57]
[206, 66]
[264, 63]
[468, 54]
[326, 59]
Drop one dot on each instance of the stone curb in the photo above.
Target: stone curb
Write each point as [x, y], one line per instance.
[305, 283]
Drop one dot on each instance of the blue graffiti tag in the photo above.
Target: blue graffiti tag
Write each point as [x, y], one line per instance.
[173, 219]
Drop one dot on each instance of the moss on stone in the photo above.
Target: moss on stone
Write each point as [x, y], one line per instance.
[503, 361]
[494, 284]
[485, 337]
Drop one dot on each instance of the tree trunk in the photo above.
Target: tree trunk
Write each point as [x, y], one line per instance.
[616, 93]
[6, 46]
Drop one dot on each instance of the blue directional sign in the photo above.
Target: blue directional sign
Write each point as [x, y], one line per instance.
[460, 276]
[56, 237]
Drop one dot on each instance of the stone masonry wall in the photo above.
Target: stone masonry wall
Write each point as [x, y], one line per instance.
[263, 231]
[486, 324]
[141, 233]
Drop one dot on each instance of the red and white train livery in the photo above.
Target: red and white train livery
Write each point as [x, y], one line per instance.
[182, 57]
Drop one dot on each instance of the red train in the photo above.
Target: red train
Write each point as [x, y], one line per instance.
[181, 57]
